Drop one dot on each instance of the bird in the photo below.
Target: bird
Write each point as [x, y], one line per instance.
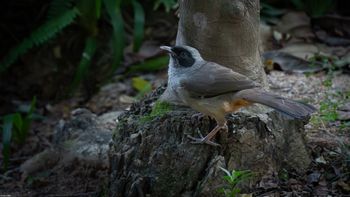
[215, 90]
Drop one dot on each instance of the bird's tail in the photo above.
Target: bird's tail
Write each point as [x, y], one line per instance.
[286, 106]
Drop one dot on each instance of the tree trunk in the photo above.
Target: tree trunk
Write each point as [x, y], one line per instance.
[155, 157]
[225, 32]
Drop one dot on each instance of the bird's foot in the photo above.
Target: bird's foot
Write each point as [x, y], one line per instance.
[202, 140]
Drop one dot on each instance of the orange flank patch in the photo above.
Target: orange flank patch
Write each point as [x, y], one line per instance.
[235, 105]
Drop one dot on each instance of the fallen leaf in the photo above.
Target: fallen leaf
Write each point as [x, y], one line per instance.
[140, 84]
[331, 40]
[297, 24]
[338, 51]
[289, 63]
[301, 50]
[126, 99]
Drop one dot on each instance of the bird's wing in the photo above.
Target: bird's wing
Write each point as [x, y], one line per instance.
[212, 79]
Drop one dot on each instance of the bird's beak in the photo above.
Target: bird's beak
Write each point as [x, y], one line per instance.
[166, 48]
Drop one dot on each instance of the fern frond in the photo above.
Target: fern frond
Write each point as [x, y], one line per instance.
[113, 8]
[168, 4]
[90, 11]
[139, 24]
[39, 36]
[85, 61]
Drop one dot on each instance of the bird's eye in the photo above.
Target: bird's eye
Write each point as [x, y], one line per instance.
[183, 55]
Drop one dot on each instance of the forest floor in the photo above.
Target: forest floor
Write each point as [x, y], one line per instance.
[328, 143]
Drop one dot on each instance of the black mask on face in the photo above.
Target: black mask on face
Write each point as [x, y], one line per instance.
[183, 57]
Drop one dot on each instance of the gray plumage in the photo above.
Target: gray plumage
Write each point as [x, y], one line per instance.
[295, 109]
[211, 79]
[215, 90]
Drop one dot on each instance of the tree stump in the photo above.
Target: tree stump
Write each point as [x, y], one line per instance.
[155, 157]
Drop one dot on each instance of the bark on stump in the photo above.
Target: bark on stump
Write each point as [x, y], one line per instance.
[156, 157]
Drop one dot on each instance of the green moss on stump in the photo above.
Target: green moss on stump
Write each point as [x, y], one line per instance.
[158, 110]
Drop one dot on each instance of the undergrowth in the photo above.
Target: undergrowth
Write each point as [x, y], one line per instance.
[333, 99]
[232, 179]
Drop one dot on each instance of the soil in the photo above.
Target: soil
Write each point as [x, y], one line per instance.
[328, 174]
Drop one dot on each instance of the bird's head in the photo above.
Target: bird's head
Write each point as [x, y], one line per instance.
[183, 56]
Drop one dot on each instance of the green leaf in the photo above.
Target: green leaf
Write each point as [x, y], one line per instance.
[88, 53]
[39, 36]
[153, 64]
[6, 138]
[299, 4]
[27, 121]
[226, 171]
[118, 40]
[315, 8]
[319, 8]
[18, 132]
[139, 23]
[236, 173]
[90, 11]
[233, 178]
[221, 190]
[168, 4]
[229, 179]
[98, 9]
[235, 192]
[17, 121]
[58, 7]
[269, 10]
[140, 84]
[32, 106]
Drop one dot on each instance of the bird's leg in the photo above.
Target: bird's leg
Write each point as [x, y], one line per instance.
[207, 138]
